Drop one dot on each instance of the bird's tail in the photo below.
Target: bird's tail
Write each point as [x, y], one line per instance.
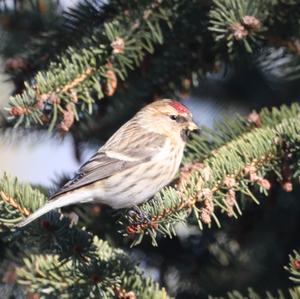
[61, 201]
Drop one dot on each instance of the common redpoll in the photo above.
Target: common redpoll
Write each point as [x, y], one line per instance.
[138, 160]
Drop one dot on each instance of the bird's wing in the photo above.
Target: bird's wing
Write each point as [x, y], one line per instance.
[107, 162]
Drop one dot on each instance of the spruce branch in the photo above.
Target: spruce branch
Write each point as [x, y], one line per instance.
[294, 267]
[56, 259]
[293, 293]
[244, 24]
[237, 21]
[17, 200]
[111, 275]
[10, 201]
[231, 169]
[118, 46]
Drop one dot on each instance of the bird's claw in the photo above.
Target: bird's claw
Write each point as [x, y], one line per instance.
[139, 216]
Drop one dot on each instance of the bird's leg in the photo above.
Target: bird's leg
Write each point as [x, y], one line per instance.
[139, 216]
[74, 218]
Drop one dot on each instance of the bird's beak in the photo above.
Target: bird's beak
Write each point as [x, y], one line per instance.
[192, 126]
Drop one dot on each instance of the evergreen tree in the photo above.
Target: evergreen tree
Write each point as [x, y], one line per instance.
[84, 71]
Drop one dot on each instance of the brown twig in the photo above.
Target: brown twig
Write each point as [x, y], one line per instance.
[189, 202]
[76, 81]
[11, 201]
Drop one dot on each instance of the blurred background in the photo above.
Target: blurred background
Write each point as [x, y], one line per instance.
[249, 252]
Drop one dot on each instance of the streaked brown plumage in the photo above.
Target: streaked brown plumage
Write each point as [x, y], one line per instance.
[137, 161]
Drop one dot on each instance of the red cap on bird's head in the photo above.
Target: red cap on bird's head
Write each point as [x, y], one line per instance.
[179, 107]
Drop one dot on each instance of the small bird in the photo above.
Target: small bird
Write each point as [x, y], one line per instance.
[137, 161]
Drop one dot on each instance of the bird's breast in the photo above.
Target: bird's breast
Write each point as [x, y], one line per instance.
[137, 184]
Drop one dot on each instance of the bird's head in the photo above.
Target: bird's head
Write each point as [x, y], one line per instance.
[168, 117]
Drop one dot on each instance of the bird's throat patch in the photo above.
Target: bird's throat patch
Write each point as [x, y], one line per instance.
[184, 134]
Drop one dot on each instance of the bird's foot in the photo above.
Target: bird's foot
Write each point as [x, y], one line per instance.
[73, 217]
[139, 216]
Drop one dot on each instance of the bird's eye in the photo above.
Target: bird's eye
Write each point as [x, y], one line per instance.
[173, 117]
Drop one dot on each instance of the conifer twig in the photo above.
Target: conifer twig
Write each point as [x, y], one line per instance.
[14, 204]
